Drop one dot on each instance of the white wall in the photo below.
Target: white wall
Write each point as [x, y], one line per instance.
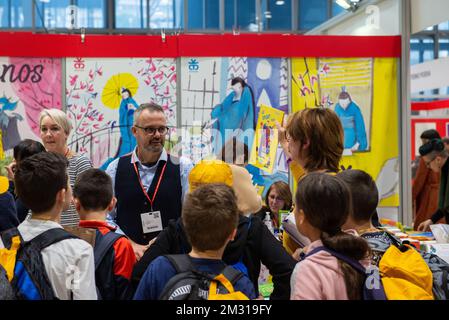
[381, 17]
[391, 213]
[429, 75]
[427, 13]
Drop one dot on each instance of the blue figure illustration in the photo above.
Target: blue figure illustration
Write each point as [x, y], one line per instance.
[126, 114]
[9, 123]
[352, 120]
[236, 112]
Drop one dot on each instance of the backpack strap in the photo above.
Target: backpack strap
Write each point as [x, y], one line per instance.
[227, 278]
[393, 239]
[50, 237]
[352, 262]
[183, 266]
[103, 244]
[181, 262]
[232, 274]
[7, 236]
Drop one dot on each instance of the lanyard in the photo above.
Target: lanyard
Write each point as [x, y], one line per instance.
[157, 186]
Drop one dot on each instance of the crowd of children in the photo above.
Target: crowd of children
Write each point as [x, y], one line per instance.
[216, 248]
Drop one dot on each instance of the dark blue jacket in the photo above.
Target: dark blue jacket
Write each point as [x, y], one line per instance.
[161, 271]
[8, 213]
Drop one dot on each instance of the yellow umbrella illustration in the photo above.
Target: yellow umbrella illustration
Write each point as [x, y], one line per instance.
[112, 91]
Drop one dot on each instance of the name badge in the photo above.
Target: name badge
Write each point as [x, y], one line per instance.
[151, 221]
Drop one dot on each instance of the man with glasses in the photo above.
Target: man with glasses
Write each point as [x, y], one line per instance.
[426, 183]
[435, 155]
[149, 183]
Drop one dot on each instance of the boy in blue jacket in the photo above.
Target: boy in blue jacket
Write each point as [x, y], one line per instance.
[210, 216]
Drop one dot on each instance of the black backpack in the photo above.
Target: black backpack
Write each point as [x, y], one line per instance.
[103, 244]
[104, 278]
[438, 267]
[191, 284]
[30, 280]
[6, 291]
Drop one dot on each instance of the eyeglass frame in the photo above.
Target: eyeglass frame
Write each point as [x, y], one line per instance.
[276, 199]
[147, 130]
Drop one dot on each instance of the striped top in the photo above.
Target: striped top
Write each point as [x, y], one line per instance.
[77, 164]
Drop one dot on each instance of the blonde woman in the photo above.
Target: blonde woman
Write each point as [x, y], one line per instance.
[55, 128]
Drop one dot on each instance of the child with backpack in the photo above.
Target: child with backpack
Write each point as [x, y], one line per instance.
[253, 244]
[326, 270]
[114, 255]
[406, 273]
[365, 197]
[41, 259]
[210, 216]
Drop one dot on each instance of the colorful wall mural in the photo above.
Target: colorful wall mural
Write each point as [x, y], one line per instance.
[102, 95]
[28, 85]
[221, 98]
[364, 93]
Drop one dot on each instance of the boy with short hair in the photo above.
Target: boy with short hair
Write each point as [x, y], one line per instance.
[210, 216]
[41, 182]
[253, 245]
[365, 198]
[114, 263]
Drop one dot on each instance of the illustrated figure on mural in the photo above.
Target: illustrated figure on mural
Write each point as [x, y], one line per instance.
[236, 112]
[118, 94]
[265, 141]
[126, 113]
[353, 123]
[8, 123]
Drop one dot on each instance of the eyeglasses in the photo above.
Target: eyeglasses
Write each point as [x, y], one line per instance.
[152, 131]
[277, 199]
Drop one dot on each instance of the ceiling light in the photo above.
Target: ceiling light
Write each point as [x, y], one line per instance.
[267, 14]
[280, 2]
[344, 4]
[350, 5]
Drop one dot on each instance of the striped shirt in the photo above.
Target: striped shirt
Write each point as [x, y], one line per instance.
[77, 164]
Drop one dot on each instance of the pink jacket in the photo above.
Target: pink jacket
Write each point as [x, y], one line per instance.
[318, 277]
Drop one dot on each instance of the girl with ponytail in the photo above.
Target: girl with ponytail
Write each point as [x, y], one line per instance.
[323, 205]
